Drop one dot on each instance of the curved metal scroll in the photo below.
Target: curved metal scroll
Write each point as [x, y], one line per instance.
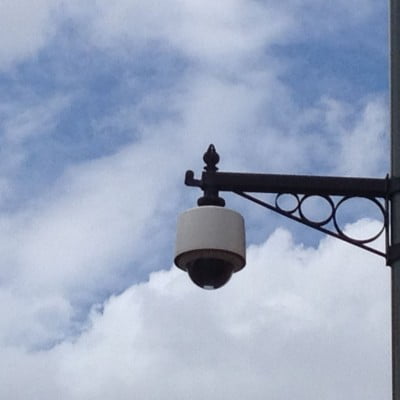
[329, 224]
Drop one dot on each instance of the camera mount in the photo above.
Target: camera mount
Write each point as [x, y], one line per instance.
[334, 191]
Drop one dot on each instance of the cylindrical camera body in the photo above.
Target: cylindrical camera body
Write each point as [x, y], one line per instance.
[210, 245]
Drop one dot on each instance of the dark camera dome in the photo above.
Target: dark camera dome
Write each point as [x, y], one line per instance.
[210, 273]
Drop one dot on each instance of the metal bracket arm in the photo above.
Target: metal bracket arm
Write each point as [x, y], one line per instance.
[298, 184]
[379, 191]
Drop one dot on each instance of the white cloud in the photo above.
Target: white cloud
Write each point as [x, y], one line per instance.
[30, 118]
[24, 121]
[107, 222]
[75, 243]
[364, 148]
[300, 315]
[206, 31]
[100, 223]
[211, 33]
[202, 30]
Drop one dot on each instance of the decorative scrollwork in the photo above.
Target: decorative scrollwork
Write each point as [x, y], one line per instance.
[322, 221]
[329, 223]
[291, 209]
[370, 239]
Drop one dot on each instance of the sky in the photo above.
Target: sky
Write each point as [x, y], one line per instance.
[103, 107]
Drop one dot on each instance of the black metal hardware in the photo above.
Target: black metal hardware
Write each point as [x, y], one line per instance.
[335, 230]
[334, 190]
[210, 198]
[393, 253]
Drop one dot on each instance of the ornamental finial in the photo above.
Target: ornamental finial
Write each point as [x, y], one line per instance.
[211, 158]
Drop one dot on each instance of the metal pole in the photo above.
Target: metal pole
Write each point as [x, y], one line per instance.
[394, 12]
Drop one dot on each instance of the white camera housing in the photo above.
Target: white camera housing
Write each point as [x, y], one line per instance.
[210, 245]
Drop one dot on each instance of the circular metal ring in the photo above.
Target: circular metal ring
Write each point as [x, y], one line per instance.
[290, 210]
[316, 222]
[361, 241]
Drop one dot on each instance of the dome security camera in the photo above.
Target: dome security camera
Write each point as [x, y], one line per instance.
[210, 245]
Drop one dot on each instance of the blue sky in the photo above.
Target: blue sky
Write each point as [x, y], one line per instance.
[104, 106]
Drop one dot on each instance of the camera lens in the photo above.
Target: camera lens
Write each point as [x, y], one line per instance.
[210, 273]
